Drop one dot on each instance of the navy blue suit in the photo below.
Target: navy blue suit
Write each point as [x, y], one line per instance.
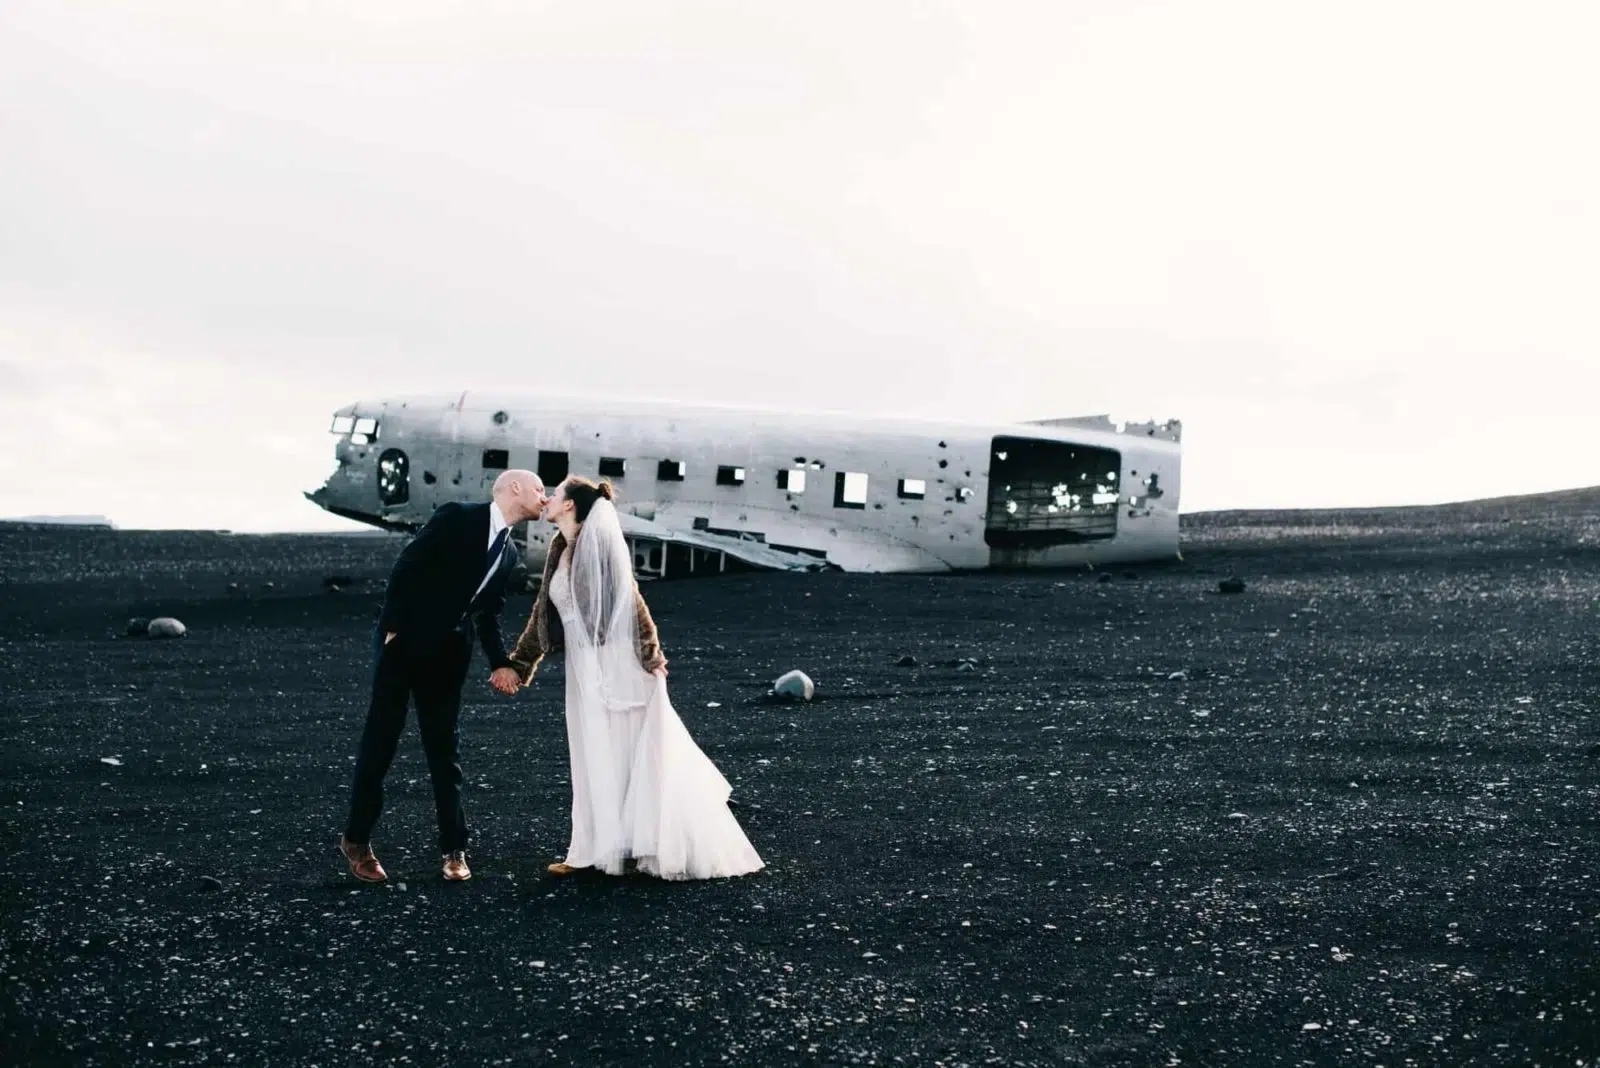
[431, 606]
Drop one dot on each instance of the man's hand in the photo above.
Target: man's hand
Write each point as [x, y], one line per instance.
[506, 681]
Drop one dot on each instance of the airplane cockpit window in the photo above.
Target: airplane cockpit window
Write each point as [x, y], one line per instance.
[365, 431]
[342, 425]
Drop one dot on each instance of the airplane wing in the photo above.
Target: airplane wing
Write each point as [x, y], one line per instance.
[755, 553]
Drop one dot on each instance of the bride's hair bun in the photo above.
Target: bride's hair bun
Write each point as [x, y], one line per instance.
[583, 492]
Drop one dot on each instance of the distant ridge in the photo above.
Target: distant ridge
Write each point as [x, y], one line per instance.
[1586, 496]
[96, 522]
[1572, 501]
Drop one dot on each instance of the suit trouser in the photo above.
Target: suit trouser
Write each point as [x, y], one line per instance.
[433, 672]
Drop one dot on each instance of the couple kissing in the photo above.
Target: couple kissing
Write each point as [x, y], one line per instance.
[642, 791]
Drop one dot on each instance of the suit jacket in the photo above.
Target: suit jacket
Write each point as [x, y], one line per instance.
[433, 585]
[544, 633]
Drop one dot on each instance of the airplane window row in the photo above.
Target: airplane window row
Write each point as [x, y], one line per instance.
[849, 487]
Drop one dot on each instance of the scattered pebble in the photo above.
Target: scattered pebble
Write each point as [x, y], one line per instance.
[167, 627]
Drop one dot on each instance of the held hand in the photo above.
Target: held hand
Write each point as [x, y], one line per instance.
[505, 680]
[660, 669]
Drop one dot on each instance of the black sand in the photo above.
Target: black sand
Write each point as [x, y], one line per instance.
[1345, 817]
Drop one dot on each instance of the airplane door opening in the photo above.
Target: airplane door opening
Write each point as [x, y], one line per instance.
[1044, 493]
[394, 478]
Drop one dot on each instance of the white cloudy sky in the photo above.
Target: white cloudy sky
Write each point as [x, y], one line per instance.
[1354, 245]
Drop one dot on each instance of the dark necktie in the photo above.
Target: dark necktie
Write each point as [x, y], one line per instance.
[497, 548]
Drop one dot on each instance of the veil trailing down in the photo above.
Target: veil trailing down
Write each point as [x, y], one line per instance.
[641, 787]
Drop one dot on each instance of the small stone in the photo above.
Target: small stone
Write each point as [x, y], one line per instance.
[1312, 1027]
[167, 627]
[966, 666]
[113, 761]
[210, 883]
[906, 661]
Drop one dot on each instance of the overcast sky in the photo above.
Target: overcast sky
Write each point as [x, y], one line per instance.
[1354, 246]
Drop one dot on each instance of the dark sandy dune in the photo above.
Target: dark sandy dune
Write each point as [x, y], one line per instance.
[1348, 816]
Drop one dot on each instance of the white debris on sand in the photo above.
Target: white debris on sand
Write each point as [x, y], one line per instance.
[795, 684]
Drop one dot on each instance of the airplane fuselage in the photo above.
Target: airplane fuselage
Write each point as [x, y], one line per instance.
[862, 493]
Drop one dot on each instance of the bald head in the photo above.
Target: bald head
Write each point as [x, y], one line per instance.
[520, 495]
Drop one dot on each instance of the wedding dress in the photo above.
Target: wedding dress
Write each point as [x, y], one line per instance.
[641, 787]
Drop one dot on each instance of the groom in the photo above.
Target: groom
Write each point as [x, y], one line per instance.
[451, 577]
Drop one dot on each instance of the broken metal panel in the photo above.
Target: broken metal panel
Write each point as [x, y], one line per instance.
[1168, 430]
[1086, 422]
[637, 529]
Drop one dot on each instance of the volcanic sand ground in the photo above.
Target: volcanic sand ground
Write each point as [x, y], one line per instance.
[1348, 816]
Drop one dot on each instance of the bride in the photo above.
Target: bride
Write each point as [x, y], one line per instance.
[641, 787]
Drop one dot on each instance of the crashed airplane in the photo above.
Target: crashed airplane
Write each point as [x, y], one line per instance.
[707, 489]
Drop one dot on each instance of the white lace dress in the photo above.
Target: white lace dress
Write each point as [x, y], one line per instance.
[641, 787]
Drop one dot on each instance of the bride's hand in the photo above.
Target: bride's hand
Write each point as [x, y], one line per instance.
[660, 669]
[506, 681]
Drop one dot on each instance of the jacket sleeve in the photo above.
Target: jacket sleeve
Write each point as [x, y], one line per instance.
[531, 645]
[421, 552]
[528, 651]
[487, 623]
[650, 655]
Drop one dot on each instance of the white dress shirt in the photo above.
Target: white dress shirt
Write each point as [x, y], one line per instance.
[497, 523]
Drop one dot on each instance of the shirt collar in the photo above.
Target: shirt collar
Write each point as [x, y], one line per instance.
[497, 522]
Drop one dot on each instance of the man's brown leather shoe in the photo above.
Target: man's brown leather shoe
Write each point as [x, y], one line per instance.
[363, 862]
[455, 867]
